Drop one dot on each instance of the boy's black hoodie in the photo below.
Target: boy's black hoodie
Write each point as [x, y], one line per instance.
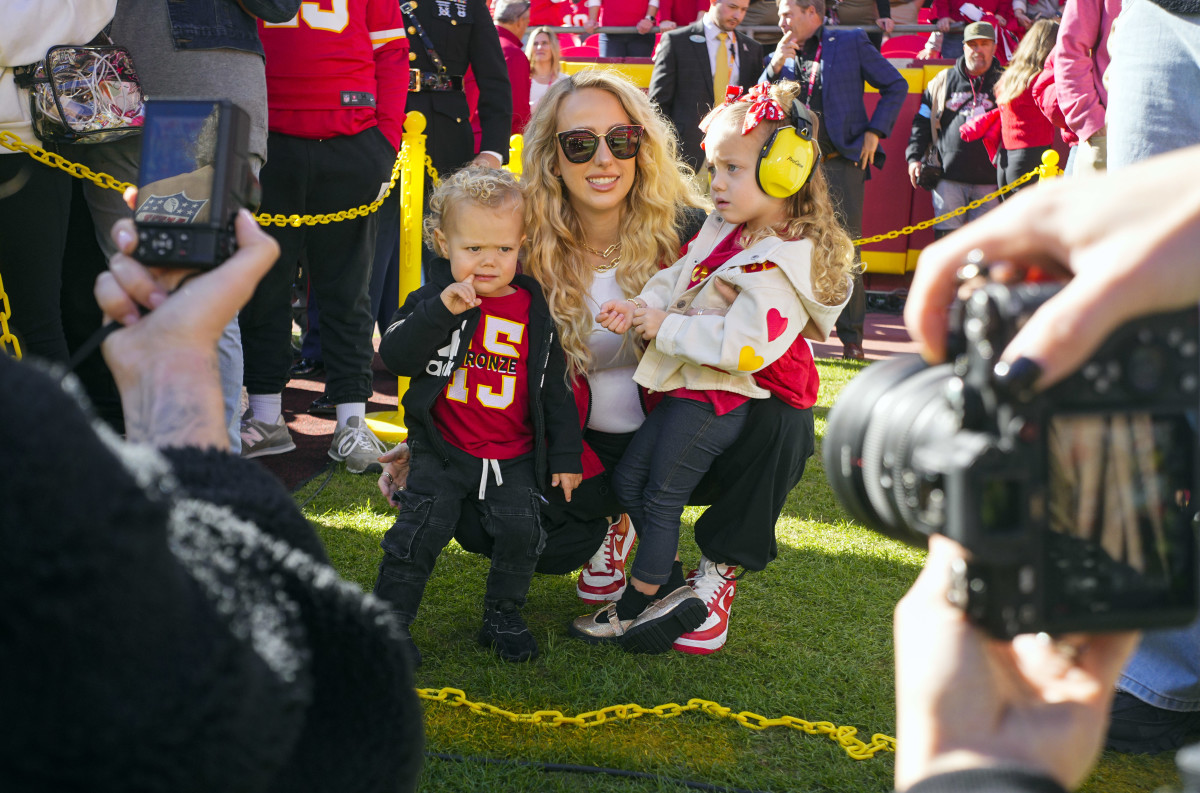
[426, 343]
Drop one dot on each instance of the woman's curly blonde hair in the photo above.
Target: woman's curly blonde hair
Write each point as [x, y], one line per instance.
[662, 188]
[810, 212]
[482, 186]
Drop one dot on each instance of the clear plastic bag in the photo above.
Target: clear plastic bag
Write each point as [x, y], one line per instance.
[85, 94]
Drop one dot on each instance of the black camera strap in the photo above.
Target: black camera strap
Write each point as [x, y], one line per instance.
[409, 10]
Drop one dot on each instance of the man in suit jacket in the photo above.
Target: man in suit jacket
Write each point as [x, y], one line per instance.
[512, 21]
[684, 69]
[832, 67]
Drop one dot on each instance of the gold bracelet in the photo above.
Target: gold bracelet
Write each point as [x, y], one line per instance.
[634, 301]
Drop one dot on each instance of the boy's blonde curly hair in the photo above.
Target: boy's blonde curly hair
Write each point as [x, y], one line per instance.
[482, 186]
[810, 213]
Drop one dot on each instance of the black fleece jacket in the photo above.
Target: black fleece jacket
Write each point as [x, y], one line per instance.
[427, 343]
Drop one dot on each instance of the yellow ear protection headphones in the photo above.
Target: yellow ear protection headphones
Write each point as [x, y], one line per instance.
[787, 158]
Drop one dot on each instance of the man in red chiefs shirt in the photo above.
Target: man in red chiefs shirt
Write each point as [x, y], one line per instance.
[337, 81]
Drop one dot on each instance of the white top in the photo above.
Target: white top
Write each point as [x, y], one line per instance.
[537, 90]
[616, 406]
[710, 35]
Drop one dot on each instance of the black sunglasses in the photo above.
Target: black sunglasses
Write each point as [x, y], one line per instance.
[579, 145]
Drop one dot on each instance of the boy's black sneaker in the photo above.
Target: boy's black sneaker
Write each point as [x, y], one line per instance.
[504, 631]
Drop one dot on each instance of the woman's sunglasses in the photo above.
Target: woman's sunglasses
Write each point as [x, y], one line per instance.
[579, 145]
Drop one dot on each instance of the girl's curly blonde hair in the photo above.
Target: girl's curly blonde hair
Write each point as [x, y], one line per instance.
[662, 188]
[809, 212]
[482, 186]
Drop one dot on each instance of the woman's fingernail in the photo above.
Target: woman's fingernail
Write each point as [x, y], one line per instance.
[1018, 375]
[125, 239]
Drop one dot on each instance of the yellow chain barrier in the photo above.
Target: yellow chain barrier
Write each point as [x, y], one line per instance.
[1047, 170]
[8, 342]
[12, 142]
[845, 737]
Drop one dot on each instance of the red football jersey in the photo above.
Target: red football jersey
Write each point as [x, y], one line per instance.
[484, 409]
[337, 68]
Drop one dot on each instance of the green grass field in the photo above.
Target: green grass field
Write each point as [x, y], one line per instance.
[810, 638]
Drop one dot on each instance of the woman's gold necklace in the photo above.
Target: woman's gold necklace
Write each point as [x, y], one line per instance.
[604, 254]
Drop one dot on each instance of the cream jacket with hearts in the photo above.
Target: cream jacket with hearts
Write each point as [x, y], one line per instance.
[708, 344]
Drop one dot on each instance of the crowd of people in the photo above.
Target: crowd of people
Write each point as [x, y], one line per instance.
[596, 346]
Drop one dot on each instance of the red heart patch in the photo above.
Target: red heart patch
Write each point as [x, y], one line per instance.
[776, 324]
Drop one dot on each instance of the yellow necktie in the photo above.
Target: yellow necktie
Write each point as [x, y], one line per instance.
[721, 73]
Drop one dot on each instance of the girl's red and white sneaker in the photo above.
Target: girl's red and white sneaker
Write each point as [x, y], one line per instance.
[716, 585]
[603, 577]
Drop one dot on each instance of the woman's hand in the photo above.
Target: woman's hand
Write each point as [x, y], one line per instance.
[1130, 254]
[568, 482]
[395, 471]
[164, 362]
[616, 315]
[647, 321]
[965, 700]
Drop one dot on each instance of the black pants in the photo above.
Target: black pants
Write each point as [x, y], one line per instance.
[1015, 163]
[847, 187]
[746, 487]
[316, 177]
[35, 203]
[437, 494]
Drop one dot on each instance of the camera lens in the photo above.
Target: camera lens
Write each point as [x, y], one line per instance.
[891, 414]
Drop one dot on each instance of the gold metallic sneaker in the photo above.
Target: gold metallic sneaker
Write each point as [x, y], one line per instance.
[603, 627]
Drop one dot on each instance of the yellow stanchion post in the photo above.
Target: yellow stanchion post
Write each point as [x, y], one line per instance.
[1049, 168]
[388, 426]
[515, 144]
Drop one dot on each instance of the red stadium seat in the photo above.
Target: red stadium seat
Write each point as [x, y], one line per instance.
[904, 46]
[585, 51]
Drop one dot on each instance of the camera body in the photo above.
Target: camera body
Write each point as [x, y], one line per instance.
[1076, 503]
[195, 175]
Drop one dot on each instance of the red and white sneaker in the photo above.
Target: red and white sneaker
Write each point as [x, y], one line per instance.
[603, 578]
[716, 585]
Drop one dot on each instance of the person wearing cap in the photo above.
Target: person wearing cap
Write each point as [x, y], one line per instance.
[512, 20]
[954, 96]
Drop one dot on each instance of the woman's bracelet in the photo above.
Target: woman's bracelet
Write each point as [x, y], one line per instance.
[635, 302]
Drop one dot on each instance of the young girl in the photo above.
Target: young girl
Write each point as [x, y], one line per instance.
[545, 63]
[723, 324]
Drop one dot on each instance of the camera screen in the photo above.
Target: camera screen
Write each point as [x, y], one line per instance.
[178, 149]
[1120, 510]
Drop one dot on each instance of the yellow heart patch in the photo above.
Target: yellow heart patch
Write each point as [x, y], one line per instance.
[749, 361]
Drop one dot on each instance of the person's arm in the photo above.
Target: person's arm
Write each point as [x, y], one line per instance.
[33, 26]
[663, 79]
[1131, 254]
[518, 78]
[884, 9]
[165, 362]
[386, 26]
[646, 23]
[970, 707]
[879, 72]
[423, 324]
[764, 318]
[271, 10]
[920, 136]
[491, 73]
[563, 433]
[1075, 70]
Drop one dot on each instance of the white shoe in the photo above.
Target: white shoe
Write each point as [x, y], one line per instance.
[357, 446]
[716, 585]
[603, 578]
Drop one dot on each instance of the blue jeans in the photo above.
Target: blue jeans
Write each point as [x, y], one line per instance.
[950, 195]
[626, 45]
[666, 459]
[1155, 57]
[1165, 670]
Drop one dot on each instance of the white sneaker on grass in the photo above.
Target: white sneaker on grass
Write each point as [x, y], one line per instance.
[260, 438]
[357, 446]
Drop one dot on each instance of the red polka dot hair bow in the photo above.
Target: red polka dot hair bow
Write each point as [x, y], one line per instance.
[762, 106]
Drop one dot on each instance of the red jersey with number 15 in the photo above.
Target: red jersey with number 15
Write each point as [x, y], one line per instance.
[484, 410]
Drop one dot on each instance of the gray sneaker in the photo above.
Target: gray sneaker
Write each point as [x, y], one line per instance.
[357, 446]
[260, 438]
